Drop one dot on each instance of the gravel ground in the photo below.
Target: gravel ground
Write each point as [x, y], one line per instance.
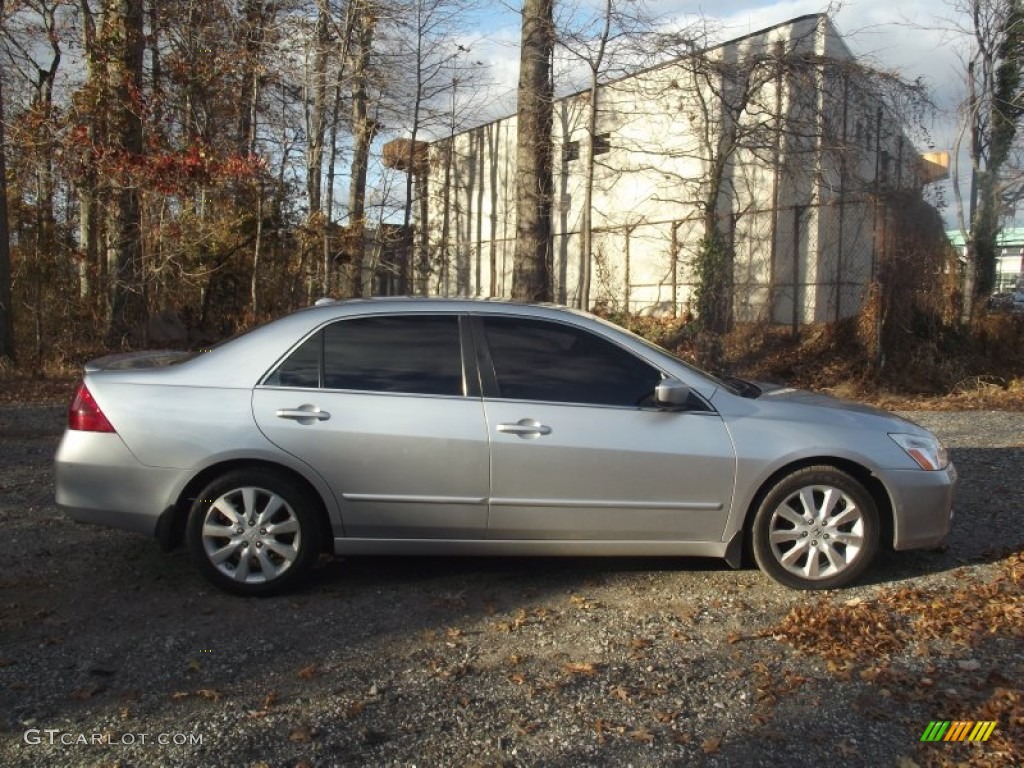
[114, 653]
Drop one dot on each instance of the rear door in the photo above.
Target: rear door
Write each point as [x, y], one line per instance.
[386, 410]
[578, 449]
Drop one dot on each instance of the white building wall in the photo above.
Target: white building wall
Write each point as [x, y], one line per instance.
[804, 231]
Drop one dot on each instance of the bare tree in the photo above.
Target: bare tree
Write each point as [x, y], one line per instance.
[363, 128]
[993, 108]
[608, 41]
[531, 278]
[427, 48]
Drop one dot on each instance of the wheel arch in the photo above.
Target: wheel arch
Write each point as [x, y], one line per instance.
[875, 488]
[171, 527]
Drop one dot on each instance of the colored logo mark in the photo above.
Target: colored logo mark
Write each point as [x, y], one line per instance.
[958, 730]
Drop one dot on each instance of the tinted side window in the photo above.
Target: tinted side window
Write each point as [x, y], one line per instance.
[302, 367]
[539, 360]
[419, 354]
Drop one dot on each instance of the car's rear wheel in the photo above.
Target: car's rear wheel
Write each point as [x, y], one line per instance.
[816, 529]
[253, 532]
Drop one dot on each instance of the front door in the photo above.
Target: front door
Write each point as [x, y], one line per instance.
[579, 452]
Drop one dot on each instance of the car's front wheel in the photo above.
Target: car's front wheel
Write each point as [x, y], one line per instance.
[817, 528]
[253, 532]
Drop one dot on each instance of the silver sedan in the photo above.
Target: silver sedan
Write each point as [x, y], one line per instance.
[433, 426]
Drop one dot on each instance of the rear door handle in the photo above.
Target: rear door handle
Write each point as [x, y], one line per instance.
[307, 413]
[525, 428]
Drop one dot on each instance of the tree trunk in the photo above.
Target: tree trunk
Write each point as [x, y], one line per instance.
[88, 184]
[123, 30]
[531, 279]
[316, 113]
[358, 282]
[587, 227]
[6, 310]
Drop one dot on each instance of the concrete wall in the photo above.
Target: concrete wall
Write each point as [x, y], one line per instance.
[763, 114]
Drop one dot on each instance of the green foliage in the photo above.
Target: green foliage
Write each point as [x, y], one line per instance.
[713, 271]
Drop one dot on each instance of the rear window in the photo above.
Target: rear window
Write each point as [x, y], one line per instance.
[414, 354]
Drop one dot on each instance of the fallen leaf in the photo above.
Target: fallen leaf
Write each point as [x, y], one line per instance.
[84, 694]
[308, 672]
[210, 694]
[641, 734]
[301, 733]
[619, 692]
[710, 746]
[586, 668]
[355, 709]
[269, 700]
[846, 749]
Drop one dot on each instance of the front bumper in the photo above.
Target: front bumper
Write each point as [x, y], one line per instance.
[99, 481]
[922, 504]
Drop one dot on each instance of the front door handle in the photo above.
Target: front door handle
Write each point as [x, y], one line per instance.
[527, 429]
[307, 413]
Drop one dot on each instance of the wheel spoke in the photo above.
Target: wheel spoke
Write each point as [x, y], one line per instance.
[790, 515]
[267, 566]
[788, 560]
[783, 536]
[228, 510]
[831, 498]
[287, 551]
[242, 571]
[215, 531]
[291, 525]
[273, 505]
[849, 515]
[807, 501]
[849, 538]
[811, 567]
[218, 556]
[836, 559]
[248, 501]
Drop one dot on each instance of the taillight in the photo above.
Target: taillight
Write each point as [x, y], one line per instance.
[85, 414]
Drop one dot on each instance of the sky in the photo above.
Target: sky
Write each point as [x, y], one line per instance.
[917, 38]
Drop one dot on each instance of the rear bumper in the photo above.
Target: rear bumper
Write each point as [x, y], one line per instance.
[922, 506]
[99, 481]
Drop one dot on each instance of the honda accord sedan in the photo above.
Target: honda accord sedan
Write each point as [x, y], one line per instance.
[469, 427]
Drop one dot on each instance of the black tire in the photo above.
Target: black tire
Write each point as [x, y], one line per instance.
[253, 556]
[830, 551]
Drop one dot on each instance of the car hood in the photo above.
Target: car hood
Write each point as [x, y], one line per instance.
[788, 403]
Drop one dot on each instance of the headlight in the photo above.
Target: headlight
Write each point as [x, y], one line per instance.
[928, 452]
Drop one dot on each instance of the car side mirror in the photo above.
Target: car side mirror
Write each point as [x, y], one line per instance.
[672, 394]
